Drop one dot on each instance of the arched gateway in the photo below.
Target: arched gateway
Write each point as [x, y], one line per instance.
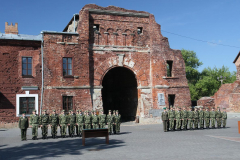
[120, 92]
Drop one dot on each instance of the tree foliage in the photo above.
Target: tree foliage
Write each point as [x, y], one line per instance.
[204, 83]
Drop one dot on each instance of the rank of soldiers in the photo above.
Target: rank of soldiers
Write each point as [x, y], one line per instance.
[72, 121]
[186, 118]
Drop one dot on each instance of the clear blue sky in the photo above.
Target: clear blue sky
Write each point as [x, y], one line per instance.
[214, 21]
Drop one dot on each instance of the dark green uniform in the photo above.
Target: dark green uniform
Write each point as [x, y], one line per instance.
[117, 120]
[213, 117]
[207, 118]
[72, 123]
[171, 116]
[44, 121]
[102, 120]
[23, 125]
[34, 122]
[190, 119]
[95, 122]
[184, 117]
[88, 121]
[80, 118]
[110, 123]
[178, 117]
[219, 118]
[224, 118]
[63, 121]
[196, 119]
[201, 119]
[54, 121]
[165, 120]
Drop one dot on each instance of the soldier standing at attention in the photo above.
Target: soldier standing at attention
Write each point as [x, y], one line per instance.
[110, 122]
[213, 117]
[77, 113]
[164, 119]
[219, 117]
[63, 121]
[196, 118]
[201, 118]
[178, 117]
[114, 124]
[102, 119]
[117, 122]
[184, 118]
[80, 122]
[167, 120]
[171, 116]
[23, 125]
[207, 117]
[88, 121]
[190, 118]
[71, 123]
[34, 122]
[44, 121]
[54, 121]
[95, 120]
[224, 117]
[85, 114]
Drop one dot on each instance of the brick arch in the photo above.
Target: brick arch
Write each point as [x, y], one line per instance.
[113, 62]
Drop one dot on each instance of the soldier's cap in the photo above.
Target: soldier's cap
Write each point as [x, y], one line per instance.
[70, 110]
[218, 107]
[34, 110]
[24, 112]
[224, 108]
[44, 110]
[109, 111]
[116, 111]
[54, 110]
[63, 110]
[94, 111]
[164, 108]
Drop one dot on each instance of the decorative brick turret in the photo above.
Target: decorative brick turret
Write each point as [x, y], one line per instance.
[11, 29]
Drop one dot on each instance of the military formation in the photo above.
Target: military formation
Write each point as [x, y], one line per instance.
[188, 119]
[73, 122]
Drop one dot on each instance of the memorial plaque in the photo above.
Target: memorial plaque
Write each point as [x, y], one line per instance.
[161, 100]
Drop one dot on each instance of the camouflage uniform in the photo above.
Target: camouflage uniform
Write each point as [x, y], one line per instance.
[102, 120]
[88, 121]
[165, 119]
[63, 121]
[71, 123]
[178, 116]
[54, 121]
[34, 122]
[224, 118]
[44, 121]
[207, 118]
[213, 117]
[23, 125]
[184, 117]
[196, 119]
[77, 132]
[219, 118]
[190, 119]
[80, 118]
[171, 116]
[201, 119]
[117, 120]
[95, 121]
[110, 123]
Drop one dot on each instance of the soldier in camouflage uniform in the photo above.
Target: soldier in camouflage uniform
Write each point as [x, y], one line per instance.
[23, 125]
[63, 121]
[102, 119]
[171, 116]
[95, 120]
[190, 118]
[84, 115]
[178, 117]
[219, 117]
[80, 118]
[196, 118]
[213, 117]
[77, 113]
[201, 118]
[110, 122]
[117, 120]
[114, 124]
[224, 117]
[34, 122]
[207, 117]
[184, 118]
[164, 119]
[44, 121]
[88, 121]
[54, 121]
[71, 123]
[167, 120]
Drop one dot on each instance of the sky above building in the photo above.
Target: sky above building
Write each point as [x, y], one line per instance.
[211, 28]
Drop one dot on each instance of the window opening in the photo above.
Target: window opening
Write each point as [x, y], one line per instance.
[27, 104]
[67, 66]
[26, 66]
[139, 30]
[169, 68]
[67, 103]
[171, 99]
[96, 27]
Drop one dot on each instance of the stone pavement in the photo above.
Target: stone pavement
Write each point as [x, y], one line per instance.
[135, 142]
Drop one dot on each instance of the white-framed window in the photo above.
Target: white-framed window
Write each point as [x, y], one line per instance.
[26, 102]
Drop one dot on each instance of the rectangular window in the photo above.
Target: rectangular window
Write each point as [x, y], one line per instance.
[171, 99]
[27, 104]
[67, 66]
[26, 66]
[139, 30]
[169, 68]
[96, 28]
[67, 103]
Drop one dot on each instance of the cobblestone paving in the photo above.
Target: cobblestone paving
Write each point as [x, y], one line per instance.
[134, 142]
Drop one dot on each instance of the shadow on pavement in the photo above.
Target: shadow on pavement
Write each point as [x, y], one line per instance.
[125, 132]
[56, 149]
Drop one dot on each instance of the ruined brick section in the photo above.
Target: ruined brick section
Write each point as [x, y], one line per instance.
[207, 102]
[11, 29]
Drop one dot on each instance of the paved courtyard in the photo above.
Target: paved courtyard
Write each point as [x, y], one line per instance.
[135, 142]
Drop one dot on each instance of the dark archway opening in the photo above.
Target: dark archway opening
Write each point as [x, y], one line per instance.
[120, 92]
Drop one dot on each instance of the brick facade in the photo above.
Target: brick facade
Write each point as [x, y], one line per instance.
[124, 39]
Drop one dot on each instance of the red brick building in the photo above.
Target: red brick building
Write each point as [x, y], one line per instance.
[105, 58]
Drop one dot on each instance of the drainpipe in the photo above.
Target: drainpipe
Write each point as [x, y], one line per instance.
[42, 75]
